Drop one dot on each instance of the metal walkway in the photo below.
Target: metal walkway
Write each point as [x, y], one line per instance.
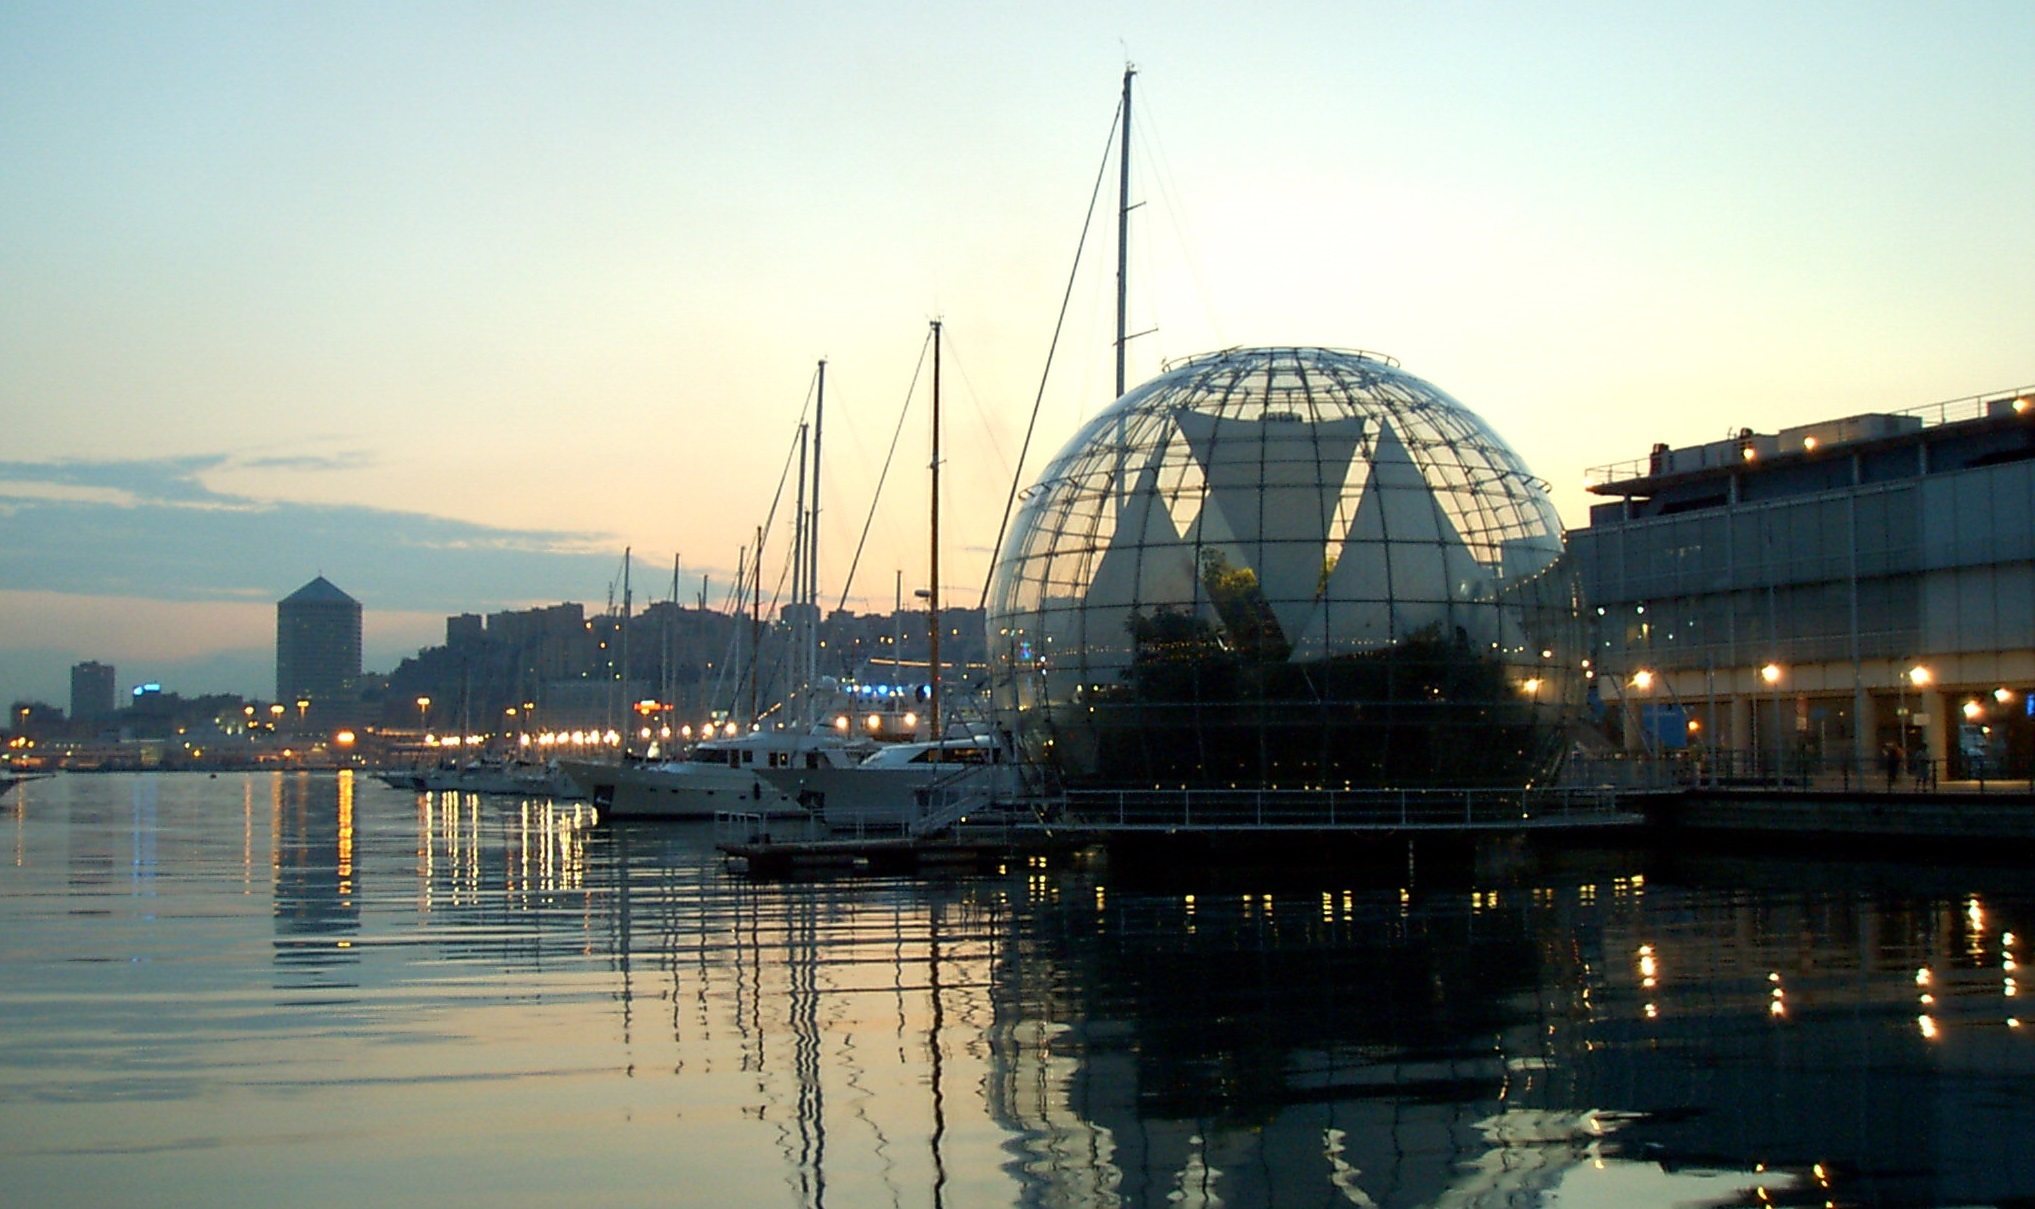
[1368, 810]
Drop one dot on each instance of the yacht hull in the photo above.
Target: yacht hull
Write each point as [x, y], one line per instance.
[679, 791]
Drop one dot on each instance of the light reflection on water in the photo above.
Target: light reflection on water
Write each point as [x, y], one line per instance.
[283, 988]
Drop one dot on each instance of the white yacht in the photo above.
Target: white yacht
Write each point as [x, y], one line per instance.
[904, 786]
[495, 777]
[716, 775]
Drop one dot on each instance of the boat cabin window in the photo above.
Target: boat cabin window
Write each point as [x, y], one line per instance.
[711, 755]
[954, 755]
[780, 759]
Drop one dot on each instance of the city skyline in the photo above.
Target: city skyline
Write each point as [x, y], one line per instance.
[452, 305]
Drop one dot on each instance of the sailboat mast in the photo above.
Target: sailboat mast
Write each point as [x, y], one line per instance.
[622, 673]
[1123, 233]
[755, 628]
[933, 595]
[795, 642]
[813, 529]
[670, 693]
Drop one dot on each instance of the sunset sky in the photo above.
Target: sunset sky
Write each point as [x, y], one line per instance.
[452, 302]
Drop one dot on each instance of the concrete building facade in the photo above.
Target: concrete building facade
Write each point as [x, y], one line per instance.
[1853, 592]
[317, 643]
[92, 686]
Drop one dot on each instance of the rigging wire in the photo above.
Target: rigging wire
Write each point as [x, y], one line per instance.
[1038, 400]
[848, 585]
[1150, 140]
[988, 429]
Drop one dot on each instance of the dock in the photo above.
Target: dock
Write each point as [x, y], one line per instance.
[895, 855]
[1957, 813]
[1073, 820]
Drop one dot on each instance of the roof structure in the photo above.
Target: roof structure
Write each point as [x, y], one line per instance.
[319, 591]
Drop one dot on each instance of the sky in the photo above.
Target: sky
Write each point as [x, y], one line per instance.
[453, 303]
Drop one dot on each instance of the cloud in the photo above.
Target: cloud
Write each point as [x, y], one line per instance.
[152, 480]
[339, 461]
[153, 529]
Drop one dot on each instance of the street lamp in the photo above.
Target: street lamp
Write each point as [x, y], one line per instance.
[1771, 673]
[423, 714]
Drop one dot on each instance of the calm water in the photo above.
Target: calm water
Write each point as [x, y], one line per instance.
[303, 990]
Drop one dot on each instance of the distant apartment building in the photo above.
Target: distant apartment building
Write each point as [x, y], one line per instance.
[1843, 592]
[317, 643]
[92, 687]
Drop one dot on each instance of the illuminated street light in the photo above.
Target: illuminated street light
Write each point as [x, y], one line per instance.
[1771, 673]
[423, 713]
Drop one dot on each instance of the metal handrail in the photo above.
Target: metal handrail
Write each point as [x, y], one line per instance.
[1302, 809]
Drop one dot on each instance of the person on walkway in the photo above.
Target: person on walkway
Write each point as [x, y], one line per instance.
[1890, 760]
[1920, 767]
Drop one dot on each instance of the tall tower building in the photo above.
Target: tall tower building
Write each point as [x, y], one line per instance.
[91, 691]
[317, 643]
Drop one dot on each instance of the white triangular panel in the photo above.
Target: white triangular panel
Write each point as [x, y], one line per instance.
[1146, 565]
[1402, 567]
[1275, 483]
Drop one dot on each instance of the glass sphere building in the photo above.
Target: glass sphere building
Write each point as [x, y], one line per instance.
[1287, 568]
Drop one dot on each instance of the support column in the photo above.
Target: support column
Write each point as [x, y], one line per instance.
[1935, 707]
[1741, 732]
[1865, 714]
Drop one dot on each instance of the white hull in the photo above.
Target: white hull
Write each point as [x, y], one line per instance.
[717, 776]
[525, 782]
[679, 791]
[906, 787]
[857, 799]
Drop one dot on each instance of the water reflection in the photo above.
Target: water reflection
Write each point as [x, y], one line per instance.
[607, 1013]
[1377, 1042]
[317, 916]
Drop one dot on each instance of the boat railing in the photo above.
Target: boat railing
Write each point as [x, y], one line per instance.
[947, 802]
[740, 827]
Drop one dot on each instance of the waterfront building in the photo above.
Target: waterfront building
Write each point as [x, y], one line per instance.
[317, 643]
[1851, 593]
[1292, 569]
[91, 691]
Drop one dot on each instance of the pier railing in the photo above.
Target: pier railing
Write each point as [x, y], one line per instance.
[1337, 810]
[1631, 772]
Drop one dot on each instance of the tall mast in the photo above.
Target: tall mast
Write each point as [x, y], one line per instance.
[735, 595]
[755, 626]
[622, 675]
[813, 530]
[667, 697]
[933, 595]
[1123, 231]
[795, 644]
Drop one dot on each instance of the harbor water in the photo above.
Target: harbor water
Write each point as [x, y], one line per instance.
[305, 989]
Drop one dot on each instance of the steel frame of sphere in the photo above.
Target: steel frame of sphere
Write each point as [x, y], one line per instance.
[1289, 568]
